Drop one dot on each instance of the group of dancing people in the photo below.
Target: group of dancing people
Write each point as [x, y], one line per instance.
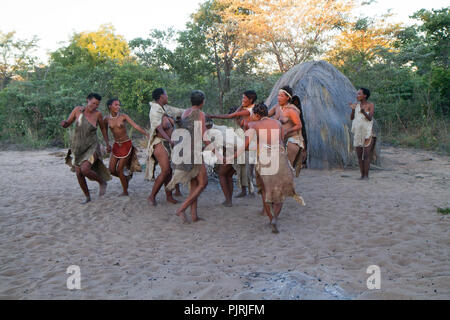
[279, 135]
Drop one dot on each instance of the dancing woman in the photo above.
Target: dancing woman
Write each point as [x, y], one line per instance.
[244, 171]
[289, 116]
[87, 157]
[123, 152]
[274, 175]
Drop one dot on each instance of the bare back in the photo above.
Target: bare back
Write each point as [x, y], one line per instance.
[188, 112]
[265, 129]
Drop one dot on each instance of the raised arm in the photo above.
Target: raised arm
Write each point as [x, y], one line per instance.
[231, 115]
[136, 126]
[369, 116]
[71, 119]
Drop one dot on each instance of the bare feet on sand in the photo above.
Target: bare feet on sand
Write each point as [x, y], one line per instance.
[102, 189]
[197, 219]
[182, 216]
[88, 199]
[170, 199]
[124, 194]
[151, 201]
[227, 204]
[241, 195]
[274, 227]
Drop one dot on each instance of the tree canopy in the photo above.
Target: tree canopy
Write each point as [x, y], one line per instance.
[226, 48]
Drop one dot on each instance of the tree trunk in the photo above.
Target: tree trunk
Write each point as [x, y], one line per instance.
[219, 77]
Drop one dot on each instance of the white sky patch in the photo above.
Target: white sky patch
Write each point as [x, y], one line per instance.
[54, 21]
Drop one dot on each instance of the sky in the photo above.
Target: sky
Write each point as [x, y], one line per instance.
[54, 21]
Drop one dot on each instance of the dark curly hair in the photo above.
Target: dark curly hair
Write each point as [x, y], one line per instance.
[94, 95]
[111, 101]
[261, 110]
[366, 92]
[157, 93]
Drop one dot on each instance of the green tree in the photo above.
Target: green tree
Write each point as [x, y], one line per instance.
[94, 48]
[15, 56]
[425, 47]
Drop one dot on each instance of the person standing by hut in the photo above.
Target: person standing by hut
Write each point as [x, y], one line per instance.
[87, 157]
[123, 152]
[289, 116]
[362, 128]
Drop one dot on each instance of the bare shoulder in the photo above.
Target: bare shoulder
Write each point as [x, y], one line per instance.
[186, 113]
[294, 111]
[276, 122]
[98, 114]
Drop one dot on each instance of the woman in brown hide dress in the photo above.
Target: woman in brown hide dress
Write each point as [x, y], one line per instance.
[87, 157]
[274, 175]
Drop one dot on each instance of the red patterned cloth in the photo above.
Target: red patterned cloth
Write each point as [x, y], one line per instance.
[122, 149]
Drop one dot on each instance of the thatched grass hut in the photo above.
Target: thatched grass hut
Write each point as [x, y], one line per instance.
[324, 93]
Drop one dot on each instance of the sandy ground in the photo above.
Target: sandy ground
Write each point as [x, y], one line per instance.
[127, 250]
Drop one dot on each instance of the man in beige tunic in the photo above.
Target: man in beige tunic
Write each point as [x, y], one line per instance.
[160, 144]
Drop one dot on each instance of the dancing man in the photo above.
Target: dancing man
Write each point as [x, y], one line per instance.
[87, 157]
[190, 170]
[160, 144]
